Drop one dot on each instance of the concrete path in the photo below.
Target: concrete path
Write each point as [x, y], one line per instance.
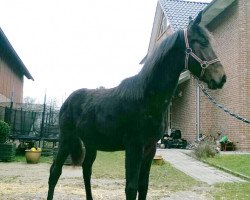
[196, 169]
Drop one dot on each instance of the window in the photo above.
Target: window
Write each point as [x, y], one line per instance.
[164, 25]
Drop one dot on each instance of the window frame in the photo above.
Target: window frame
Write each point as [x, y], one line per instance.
[164, 25]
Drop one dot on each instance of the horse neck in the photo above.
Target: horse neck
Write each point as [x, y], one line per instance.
[161, 78]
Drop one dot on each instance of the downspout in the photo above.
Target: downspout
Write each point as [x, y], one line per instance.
[197, 111]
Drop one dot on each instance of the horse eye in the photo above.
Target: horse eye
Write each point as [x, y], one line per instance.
[204, 44]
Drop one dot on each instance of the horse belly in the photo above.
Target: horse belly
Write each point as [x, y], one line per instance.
[111, 148]
[108, 143]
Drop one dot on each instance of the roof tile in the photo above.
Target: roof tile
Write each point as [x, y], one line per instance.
[179, 11]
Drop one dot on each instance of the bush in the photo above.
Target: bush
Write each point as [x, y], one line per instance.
[4, 131]
[205, 149]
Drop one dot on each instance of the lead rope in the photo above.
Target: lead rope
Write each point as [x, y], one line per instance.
[226, 110]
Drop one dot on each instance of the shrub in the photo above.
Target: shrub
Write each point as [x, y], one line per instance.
[205, 149]
[4, 131]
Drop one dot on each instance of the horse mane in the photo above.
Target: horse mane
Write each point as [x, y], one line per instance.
[135, 87]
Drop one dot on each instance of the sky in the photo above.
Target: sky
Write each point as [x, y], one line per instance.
[67, 45]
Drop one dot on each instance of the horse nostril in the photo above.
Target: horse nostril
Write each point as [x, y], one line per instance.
[224, 79]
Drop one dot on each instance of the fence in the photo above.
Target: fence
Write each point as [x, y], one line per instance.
[31, 123]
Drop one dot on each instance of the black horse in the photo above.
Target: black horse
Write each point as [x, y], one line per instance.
[130, 116]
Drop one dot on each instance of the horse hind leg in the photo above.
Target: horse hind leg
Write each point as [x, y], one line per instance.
[87, 171]
[56, 169]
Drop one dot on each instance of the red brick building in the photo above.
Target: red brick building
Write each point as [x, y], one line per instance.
[12, 72]
[191, 111]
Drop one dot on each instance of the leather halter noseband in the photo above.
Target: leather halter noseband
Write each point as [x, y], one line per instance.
[204, 64]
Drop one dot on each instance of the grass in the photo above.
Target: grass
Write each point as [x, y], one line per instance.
[238, 164]
[111, 165]
[235, 191]
[166, 177]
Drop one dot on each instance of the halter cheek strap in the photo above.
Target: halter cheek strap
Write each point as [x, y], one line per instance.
[189, 52]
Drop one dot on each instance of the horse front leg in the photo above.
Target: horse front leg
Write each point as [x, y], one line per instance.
[148, 156]
[87, 171]
[133, 160]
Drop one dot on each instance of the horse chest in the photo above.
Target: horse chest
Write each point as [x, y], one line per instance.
[151, 127]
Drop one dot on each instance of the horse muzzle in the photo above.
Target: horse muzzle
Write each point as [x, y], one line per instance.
[214, 85]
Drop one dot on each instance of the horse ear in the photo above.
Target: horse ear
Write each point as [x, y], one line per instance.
[198, 18]
[190, 20]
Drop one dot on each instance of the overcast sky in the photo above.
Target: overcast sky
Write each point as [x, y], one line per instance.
[67, 45]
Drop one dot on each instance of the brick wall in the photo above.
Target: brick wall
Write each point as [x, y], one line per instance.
[226, 35]
[231, 31]
[247, 11]
[244, 67]
[184, 110]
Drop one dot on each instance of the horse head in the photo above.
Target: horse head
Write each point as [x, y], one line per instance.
[201, 59]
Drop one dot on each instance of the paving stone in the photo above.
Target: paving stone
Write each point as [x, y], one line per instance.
[196, 169]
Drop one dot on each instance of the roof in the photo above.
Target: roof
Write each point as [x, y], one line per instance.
[214, 9]
[9, 54]
[179, 11]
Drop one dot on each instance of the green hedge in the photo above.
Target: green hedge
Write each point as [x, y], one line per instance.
[4, 131]
[7, 152]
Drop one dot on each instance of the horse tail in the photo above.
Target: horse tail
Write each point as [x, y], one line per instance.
[68, 129]
[77, 151]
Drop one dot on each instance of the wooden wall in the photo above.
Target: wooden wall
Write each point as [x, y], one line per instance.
[10, 82]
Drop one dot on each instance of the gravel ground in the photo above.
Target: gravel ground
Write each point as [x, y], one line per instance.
[21, 181]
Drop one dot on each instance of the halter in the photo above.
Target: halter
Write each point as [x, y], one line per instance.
[204, 64]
